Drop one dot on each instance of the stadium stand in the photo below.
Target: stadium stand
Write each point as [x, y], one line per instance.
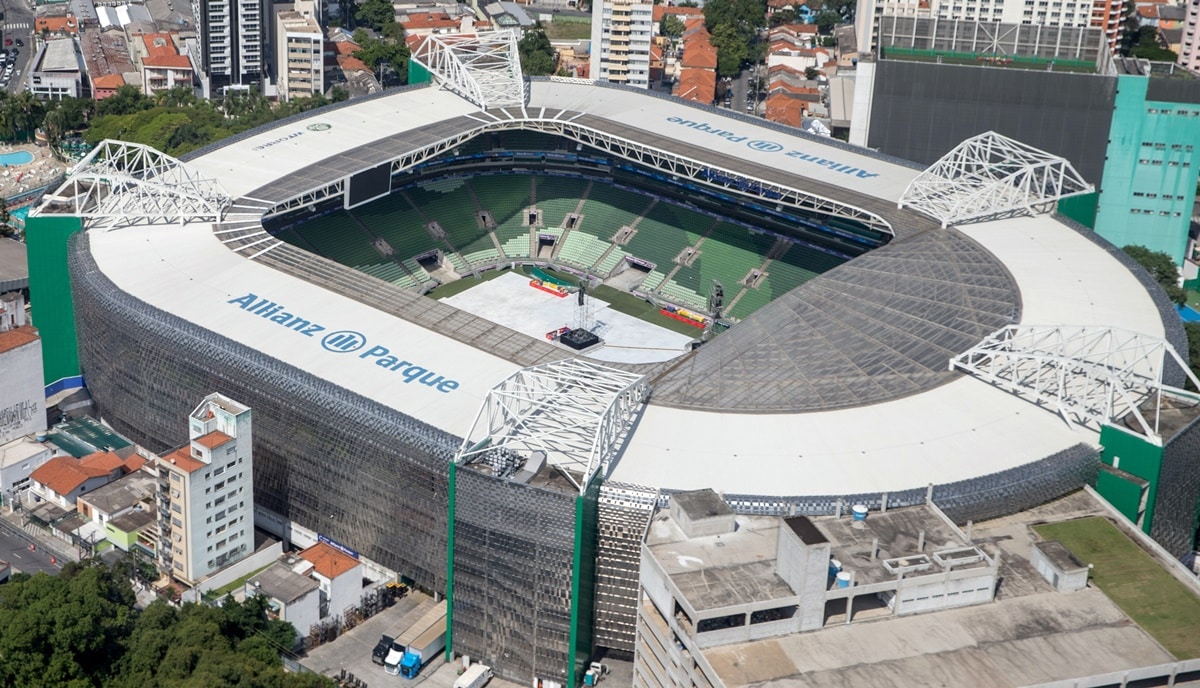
[504, 196]
[582, 250]
[558, 197]
[394, 220]
[614, 257]
[339, 238]
[448, 202]
[481, 251]
[608, 209]
[661, 235]
[652, 280]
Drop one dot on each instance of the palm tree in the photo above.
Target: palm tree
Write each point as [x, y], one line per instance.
[28, 110]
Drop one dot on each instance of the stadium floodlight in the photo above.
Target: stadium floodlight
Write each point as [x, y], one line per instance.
[130, 182]
[991, 176]
[574, 413]
[1089, 375]
[484, 68]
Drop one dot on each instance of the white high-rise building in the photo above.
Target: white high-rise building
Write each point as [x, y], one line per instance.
[299, 46]
[1189, 49]
[622, 31]
[206, 493]
[1105, 14]
[232, 38]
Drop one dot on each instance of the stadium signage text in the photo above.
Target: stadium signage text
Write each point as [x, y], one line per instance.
[277, 141]
[343, 341]
[772, 147]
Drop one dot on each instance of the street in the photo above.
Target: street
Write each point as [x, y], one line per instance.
[18, 28]
[14, 548]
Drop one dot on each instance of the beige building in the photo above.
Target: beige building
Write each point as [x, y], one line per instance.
[206, 493]
[300, 58]
[712, 579]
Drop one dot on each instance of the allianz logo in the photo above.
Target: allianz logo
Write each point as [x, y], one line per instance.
[344, 342]
[763, 146]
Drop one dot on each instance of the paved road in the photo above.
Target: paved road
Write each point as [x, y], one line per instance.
[18, 25]
[14, 548]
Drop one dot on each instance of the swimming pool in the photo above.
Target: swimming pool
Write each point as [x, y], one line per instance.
[18, 158]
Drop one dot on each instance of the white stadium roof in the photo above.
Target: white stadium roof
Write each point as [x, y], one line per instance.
[951, 430]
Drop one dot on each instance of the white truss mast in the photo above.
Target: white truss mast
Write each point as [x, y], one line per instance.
[990, 176]
[574, 413]
[1092, 376]
[126, 183]
[484, 68]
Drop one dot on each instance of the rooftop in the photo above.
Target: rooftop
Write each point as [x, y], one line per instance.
[58, 55]
[17, 337]
[279, 582]
[182, 459]
[329, 561]
[14, 266]
[86, 435]
[213, 439]
[133, 520]
[123, 493]
[63, 474]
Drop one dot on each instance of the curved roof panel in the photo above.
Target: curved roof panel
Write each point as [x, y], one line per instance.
[877, 328]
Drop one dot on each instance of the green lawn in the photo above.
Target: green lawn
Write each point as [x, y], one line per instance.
[559, 30]
[1153, 598]
[631, 305]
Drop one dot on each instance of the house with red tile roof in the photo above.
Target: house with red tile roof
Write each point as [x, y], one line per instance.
[338, 572]
[63, 479]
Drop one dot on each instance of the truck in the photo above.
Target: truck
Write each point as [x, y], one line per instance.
[476, 676]
[423, 649]
[408, 636]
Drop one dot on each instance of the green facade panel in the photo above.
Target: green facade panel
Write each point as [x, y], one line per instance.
[1149, 181]
[50, 293]
[583, 581]
[1124, 495]
[1136, 456]
[1081, 209]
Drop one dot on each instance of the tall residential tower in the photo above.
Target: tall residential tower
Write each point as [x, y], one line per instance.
[621, 34]
[206, 493]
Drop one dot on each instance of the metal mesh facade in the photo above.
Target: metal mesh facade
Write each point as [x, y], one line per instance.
[974, 499]
[1178, 497]
[928, 298]
[328, 459]
[513, 551]
[625, 512]
[922, 110]
[1072, 44]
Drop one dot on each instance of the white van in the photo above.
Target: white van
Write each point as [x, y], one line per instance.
[476, 676]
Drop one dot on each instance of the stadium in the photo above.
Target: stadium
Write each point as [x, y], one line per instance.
[871, 332]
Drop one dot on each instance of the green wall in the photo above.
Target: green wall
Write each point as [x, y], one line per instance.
[450, 562]
[50, 293]
[1149, 180]
[119, 537]
[583, 581]
[417, 74]
[1134, 455]
[1081, 209]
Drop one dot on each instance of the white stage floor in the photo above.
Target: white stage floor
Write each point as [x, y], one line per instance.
[509, 300]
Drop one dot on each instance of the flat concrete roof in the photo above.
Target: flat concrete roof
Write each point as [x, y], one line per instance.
[14, 266]
[280, 582]
[897, 532]
[1015, 642]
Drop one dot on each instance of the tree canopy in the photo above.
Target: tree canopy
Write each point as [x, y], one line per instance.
[80, 630]
[537, 55]
[733, 25]
[1146, 46]
[1162, 268]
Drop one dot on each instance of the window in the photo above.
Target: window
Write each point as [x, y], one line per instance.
[177, 508]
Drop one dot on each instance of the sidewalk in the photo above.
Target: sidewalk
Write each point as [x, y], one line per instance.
[15, 524]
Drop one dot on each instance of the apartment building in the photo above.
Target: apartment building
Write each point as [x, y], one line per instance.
[299, 60]
[621, 34]
[232, 40]
[206, 493]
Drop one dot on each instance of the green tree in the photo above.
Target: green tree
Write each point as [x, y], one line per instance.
[671, 26]
[537, 55]
[787, 16]
[375, 13]
[732, 49]
[1161, 268]
[826, 20]
[127, 100]
[375, 52]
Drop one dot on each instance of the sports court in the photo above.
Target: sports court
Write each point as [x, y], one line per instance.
[508, 300]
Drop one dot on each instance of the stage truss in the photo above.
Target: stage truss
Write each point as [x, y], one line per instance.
[1091, 376]
[990, 176]
[574, 413]
[484, 68]
[124, 183]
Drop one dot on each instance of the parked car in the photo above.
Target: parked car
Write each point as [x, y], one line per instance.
[20, 42]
